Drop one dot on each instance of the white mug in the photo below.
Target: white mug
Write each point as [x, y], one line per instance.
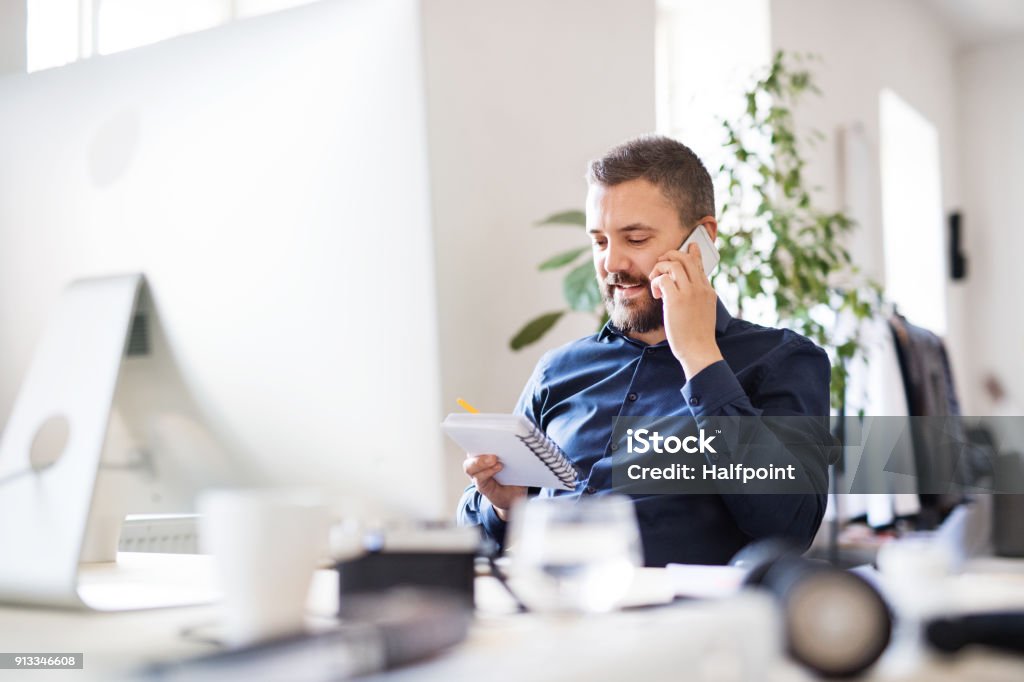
[266, 544]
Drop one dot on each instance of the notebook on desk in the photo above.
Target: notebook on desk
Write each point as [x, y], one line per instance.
[528, 456]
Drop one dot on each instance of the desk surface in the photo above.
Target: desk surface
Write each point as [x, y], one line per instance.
[732, 640]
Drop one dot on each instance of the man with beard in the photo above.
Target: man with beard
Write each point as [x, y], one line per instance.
[669, 348]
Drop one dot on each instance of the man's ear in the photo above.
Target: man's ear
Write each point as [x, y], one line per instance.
[711, 225]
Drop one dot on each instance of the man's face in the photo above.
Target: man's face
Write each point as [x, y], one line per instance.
[631, 225]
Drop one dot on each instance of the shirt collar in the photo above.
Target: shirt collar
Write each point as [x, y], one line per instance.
[722, 319]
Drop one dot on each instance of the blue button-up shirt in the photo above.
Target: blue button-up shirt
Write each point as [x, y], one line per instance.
[577, 390]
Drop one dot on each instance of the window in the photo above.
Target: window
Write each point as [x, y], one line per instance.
[124, 24]
[53, 34]
[912, 224]
[701, 75]
[700, 79]
[63, 31]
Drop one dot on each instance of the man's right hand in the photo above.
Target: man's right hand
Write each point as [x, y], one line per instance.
[481, 470]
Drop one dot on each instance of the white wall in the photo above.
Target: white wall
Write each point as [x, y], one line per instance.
[867, 46]
[13, 17]
[991, 108]
[520, 96]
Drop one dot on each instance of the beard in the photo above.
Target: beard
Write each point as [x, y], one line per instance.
[639, 314]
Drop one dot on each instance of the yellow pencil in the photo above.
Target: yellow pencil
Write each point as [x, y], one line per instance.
[466, 406]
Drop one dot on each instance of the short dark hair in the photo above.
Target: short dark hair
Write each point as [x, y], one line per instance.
[666, 163]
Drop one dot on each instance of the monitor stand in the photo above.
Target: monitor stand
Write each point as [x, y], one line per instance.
[69, 466]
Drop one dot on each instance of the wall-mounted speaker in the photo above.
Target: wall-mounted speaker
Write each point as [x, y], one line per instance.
[957, 259]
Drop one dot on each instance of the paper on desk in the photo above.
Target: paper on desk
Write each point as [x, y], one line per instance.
[649, 587]
[691, 580]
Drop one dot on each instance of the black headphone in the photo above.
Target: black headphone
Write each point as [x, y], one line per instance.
[837, 623]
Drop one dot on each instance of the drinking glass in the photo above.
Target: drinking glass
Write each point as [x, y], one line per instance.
[574, 554]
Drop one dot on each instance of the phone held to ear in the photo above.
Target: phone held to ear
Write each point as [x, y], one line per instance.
[708, 253]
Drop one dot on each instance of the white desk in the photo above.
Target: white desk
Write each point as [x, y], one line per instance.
[691, 640]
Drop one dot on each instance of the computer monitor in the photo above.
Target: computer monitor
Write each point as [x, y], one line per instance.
[269, 178]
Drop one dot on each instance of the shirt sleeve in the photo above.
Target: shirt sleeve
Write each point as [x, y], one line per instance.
[797, 385]
[476, 510]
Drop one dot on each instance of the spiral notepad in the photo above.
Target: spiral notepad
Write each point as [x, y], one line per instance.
[528, 456]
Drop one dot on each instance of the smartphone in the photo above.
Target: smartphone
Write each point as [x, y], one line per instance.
[708, 253]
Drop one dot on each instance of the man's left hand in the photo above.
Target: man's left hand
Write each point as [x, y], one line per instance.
[690, 308]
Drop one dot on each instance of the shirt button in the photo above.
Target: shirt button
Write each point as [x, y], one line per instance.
[615, 446]
[650, 350]
[631, 397]
[695, 400]
[590, 490]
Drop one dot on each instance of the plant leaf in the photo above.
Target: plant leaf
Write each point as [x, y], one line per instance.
[562, 259]
[533, 330]
[580, 288]
[565, 218]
